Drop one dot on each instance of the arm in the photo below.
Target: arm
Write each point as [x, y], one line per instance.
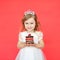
[21, 44]
[40, 44]
[40, 40]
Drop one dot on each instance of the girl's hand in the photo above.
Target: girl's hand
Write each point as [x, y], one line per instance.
[27, 44]
[32, 44]
[21, 44]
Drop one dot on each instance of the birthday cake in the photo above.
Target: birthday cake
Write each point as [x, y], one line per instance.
[29, 39]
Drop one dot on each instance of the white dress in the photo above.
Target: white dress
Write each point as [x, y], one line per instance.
[30, 53]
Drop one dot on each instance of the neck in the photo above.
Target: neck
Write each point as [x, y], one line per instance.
[31, 31]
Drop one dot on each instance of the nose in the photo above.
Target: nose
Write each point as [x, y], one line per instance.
[29, 25]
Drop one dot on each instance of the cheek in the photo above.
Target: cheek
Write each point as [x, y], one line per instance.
[33, 25]
[26, 26]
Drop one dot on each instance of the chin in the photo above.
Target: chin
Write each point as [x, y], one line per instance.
[29, 30]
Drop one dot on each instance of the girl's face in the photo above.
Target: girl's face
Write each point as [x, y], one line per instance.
[29, 24]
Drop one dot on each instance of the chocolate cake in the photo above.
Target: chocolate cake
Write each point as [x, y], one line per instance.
[29, 39]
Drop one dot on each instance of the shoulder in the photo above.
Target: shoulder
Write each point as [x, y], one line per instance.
[22, 33]
[39, 32]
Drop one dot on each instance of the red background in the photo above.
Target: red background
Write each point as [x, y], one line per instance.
[11, 12]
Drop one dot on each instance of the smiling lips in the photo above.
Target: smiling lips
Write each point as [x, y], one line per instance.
[29, 27]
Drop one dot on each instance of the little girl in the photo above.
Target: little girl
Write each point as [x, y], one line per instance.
[31, 50]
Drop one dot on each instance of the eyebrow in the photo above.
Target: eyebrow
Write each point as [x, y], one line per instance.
[27, 22]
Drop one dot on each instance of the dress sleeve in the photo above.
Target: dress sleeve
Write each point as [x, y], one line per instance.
[40, 35]
[20, 36]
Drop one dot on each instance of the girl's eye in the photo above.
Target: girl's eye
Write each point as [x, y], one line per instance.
[26, 23]
[31, 23]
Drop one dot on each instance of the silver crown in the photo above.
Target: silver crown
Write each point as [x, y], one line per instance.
[29, 12]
